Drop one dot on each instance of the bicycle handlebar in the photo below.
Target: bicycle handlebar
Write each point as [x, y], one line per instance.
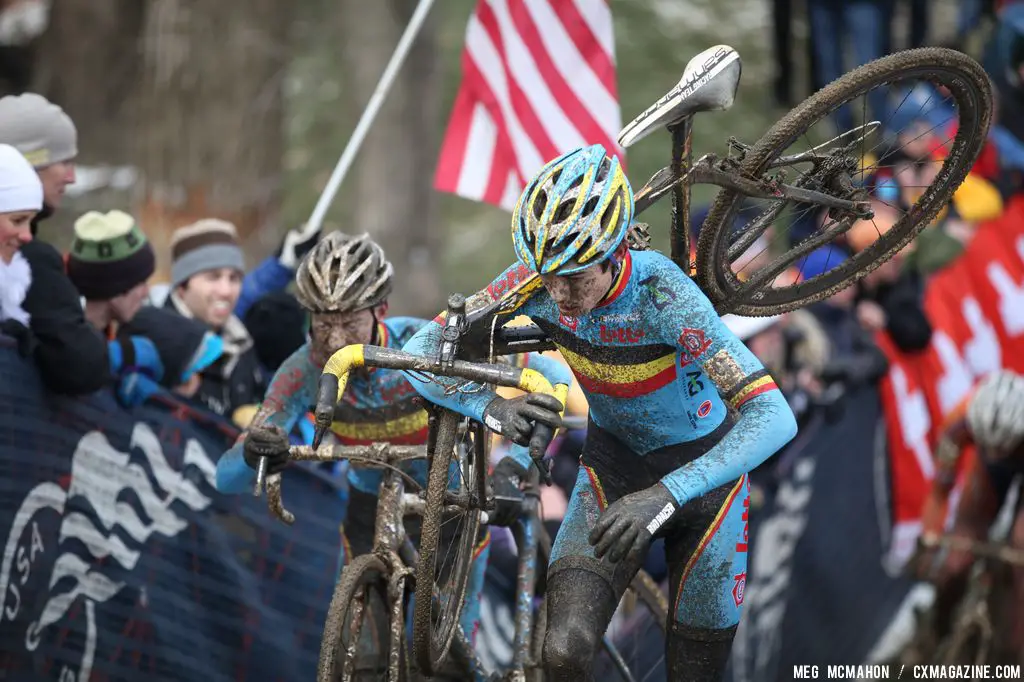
[375, 454]
[985, 550]
[336, 371]
[334, 379]
[335, 374]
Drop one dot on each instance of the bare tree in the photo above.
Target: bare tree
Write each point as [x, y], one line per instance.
[392, 177]
[87, 61]
[210, 135]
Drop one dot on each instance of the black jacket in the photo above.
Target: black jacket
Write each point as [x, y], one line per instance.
[70, 353]
[906, 321]
[236, 378]
[855, 359]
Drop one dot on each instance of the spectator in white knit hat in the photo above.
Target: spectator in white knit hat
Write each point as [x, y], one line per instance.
[70, 353]
[207, 267]
[21, 197]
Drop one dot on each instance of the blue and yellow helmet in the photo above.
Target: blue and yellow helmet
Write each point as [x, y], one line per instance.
[574, 212]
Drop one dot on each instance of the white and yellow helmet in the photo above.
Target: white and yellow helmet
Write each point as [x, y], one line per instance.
[574, 212]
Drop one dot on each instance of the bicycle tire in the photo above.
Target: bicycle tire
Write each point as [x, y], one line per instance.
[344, 624]
[969, 644]
[972, 91]
[642, 587]
[431, 641]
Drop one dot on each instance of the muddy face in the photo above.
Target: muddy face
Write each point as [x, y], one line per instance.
[580, 292]
[330, 332]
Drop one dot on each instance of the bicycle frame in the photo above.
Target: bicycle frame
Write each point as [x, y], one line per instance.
[390, 542]
[975, 615]
[527, 532]
[683, 173]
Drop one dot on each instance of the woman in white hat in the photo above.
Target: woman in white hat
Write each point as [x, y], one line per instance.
[21, 198]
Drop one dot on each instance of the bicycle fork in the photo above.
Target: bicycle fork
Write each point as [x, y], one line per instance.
[526, 536]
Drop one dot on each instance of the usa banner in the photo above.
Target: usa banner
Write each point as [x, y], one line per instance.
[121, 562]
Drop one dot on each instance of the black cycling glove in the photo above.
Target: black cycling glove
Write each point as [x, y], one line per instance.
[625, 529]
[266, 441]
[514, 418]
[508, 498]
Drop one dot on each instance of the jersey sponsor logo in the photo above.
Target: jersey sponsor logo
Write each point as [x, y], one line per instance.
[694, 386]
[621, 335]
[742, 546]
[568, 321]
[661, 296]
[658, 521]
[740, 584]
[703, 411]
[111, 535]
[695, 342]
[513, 278]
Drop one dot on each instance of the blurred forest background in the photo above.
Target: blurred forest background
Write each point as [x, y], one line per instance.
[240, 108]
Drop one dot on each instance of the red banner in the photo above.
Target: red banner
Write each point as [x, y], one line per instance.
[976, 307]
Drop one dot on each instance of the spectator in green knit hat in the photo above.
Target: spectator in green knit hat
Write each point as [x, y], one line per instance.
[110, 263]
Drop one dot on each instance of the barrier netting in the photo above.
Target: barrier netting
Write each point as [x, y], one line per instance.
[122, 562]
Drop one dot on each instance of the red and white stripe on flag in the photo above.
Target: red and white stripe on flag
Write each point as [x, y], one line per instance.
[538, 80]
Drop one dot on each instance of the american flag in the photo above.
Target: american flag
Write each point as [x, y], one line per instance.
[538, 80]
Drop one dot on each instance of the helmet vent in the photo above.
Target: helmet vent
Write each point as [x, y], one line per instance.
[606, 217]
[540, 204]
[564, 210]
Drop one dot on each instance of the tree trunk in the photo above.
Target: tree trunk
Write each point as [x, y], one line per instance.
[210, 134]
[392, 176]
[87, 62]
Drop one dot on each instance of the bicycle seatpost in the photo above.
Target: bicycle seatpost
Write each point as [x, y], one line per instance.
[454, 326]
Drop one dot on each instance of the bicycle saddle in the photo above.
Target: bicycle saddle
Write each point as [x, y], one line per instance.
[709, 83]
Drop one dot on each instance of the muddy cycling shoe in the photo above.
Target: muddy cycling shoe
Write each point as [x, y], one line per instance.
[508, 498]
[628, 525]
[266, 441]
[514, 418]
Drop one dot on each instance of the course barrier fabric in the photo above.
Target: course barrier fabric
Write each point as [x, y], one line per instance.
[121, 562]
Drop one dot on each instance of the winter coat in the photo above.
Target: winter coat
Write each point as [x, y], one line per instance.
[70, 353]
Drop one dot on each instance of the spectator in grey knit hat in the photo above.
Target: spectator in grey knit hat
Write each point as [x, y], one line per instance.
[207, 267]
[70, 353]
[45, 135]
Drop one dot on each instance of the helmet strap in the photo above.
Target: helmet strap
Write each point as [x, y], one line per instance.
[616, 266]
[375, 334]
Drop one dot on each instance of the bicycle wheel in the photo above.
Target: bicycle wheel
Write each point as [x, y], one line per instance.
[633, 648]
[448, 539]
[356, 642]
[851, 170]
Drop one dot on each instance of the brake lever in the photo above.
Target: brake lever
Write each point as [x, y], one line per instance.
[454, 327]
[539, 442]
[323, 413]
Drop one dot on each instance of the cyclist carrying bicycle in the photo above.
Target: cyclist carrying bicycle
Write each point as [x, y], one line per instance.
[663, 456]
[344, 283]
[992, 419]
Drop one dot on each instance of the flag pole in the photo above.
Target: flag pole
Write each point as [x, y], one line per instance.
[368, 115]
